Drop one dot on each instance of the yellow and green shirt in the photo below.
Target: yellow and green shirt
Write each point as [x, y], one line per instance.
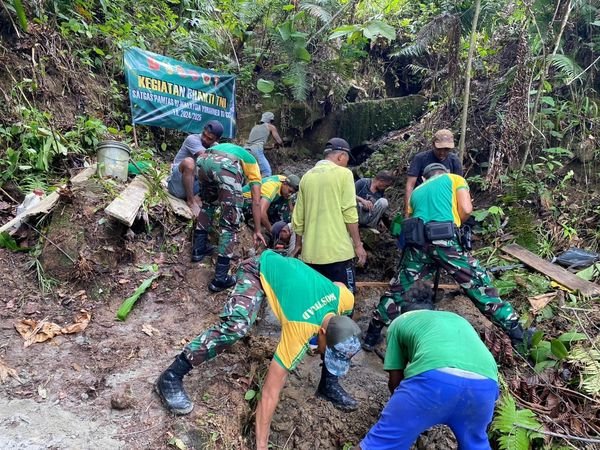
[246, 159]
[300, 297]
[435, 199]
[270, 188]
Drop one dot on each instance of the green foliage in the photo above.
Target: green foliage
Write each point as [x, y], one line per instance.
[490, 219]
[588, 360]
[546, 354]
[513, 426]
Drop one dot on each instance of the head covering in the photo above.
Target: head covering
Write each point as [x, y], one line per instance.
[267, 117]
[214, 127]
[443, 139]
[276, 229]
[334, 144]
[293, 181]
[342, 336]
[433, 167]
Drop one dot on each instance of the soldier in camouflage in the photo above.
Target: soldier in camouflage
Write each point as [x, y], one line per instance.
[222, 171]
[443, 198]
[306, 304]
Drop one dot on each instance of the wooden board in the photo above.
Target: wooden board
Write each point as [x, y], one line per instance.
[49, 201]
[125, 207]
[385, 284]
[179, 206]
[553, 271]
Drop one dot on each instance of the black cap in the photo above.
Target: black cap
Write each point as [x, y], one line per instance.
[214, 127]
[337, 144]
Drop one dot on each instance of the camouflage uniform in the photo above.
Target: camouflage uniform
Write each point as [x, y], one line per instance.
[237, 317]
[280, 210]
[221, 178]
[419, 264]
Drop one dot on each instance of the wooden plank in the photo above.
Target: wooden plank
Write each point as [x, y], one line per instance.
[49, 201]
[385, 284]
[553, 271]
[179, 206]
[125, 207]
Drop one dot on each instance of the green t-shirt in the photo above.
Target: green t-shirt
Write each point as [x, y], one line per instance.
[423, 340]
[300, 297]
[435, 199]
[246, 159]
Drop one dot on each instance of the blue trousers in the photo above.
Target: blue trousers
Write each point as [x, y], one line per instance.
[466, 405]
[263, 162]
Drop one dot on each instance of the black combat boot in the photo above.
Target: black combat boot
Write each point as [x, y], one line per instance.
[222, 278]
[330, 389]
[372, 335]
[201, 246]
[169, 386]
[520, 338]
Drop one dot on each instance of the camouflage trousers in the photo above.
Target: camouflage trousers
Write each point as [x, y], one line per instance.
[238, 316]
[421, 264]
[221, 180]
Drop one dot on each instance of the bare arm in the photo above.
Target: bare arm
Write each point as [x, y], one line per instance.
[264, 207]
[410, 187]
[465, 206]
[396, 376]
[274, 382]
[255, 192]
[275, 134]
[358, 246]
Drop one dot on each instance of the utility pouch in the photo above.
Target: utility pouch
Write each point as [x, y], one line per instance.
[435, 231]
[414, 232]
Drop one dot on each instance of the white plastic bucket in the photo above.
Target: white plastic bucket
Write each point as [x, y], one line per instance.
[113, 159]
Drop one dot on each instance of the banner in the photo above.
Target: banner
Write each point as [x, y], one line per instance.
[168, 93]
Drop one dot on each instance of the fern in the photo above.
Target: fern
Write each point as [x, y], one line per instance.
[317, 10]
[514, 425]
[588, 360]
[296, 79]
[567, 67]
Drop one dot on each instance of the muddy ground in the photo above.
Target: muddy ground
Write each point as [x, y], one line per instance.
[63, 399]
[93, 389]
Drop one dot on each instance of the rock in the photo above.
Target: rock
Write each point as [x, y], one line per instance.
[123, 399]
[30, 308]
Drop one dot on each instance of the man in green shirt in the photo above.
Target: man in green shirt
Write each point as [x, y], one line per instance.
[325, 218]
[442, 203]
[306, 303]
[440, 372]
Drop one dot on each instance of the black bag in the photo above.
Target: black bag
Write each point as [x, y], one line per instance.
[435, 231]
[414, 232]
[576, 258]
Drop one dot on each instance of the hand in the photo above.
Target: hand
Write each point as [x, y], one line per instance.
[195, 204]
[367, 204]
[296, 251]
[361, 254]
[259, 239]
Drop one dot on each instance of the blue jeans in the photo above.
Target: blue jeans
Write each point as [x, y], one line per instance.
[431, 398]
[263, 163]
[175, 183]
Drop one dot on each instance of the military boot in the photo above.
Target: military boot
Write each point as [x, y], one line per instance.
[169, 386]
[201, 246]
[372, 335]
[330, 389]
[222, 278]
[520, 338]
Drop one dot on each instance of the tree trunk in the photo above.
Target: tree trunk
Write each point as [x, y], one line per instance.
[465, 111]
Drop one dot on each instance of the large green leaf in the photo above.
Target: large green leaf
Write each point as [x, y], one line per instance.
[302, 54]
[558, 349]
[20, 10]
[567, 338]
[377, 28]
[128, 303]
[344, 30]
[265, 86]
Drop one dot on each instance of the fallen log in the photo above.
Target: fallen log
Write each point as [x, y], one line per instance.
[557, 273]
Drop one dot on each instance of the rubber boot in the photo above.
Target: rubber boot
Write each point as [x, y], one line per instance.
[201, 246]
[520, 338]
[222, 278]
[169, 386]
[372, 335]
[330, 389]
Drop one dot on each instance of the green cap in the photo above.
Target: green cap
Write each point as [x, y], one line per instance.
[293, 181]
